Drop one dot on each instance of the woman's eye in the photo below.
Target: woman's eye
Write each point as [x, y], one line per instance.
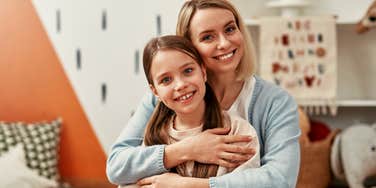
[230, 29]
[188, 70]
[206, 38]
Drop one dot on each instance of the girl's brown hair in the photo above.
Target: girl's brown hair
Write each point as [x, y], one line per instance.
[247, 64]
[156, 130]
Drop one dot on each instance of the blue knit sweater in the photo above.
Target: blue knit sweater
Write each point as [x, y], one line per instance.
[273, 114]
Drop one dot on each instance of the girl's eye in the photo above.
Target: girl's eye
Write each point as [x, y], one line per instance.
[165, 80]
[188, 70]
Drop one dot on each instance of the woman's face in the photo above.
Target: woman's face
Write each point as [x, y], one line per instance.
[216, 36]
[178, 80]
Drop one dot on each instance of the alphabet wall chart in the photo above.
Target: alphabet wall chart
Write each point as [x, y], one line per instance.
[300, 55]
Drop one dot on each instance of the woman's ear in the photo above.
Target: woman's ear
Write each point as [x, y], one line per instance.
[203, 69]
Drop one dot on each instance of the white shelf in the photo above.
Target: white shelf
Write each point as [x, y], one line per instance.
[290, 3]
[256, 22]
[251, 22]
[343, 103]
[357, 103]
[346, 22]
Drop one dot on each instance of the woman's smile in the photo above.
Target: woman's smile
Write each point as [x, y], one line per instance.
[225, 57]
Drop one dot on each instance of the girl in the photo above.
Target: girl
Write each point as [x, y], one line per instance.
[187, 106]
[219, 35]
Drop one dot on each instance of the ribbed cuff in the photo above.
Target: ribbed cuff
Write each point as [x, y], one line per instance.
[212, 182]
[160, 162]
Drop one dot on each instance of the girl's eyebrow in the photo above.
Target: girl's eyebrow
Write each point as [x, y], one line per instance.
[187, 64]
[161, 75]
[181, 67]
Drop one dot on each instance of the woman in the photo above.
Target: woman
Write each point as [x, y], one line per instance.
[217, 31]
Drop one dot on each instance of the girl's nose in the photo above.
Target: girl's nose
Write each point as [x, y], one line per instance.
[180, 84]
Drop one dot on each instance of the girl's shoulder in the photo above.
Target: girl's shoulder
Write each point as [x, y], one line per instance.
[238, 124]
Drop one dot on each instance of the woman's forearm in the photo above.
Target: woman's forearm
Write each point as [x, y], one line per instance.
[175, 154]
[209, 147]
[128, 161]
[195, 182]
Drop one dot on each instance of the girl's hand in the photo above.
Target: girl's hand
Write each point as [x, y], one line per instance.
[165, 180]
[214, 146]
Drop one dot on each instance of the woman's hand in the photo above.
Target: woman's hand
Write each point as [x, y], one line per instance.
[172, 180]
[212, 146]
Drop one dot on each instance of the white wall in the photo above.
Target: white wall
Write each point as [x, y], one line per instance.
[350, 10]
[108, 56]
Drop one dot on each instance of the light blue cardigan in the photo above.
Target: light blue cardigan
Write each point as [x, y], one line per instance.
[272, 112]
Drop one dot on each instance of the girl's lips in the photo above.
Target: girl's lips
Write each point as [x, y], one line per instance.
[185, 97]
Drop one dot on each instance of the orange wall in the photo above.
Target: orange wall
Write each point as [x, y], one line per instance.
[34, 87]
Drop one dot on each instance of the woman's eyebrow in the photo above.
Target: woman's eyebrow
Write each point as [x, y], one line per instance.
[211, 30]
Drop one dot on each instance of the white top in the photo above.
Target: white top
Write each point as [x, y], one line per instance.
[241, 104]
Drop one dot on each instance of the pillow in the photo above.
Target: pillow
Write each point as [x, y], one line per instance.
[15, 173]
[40, 141]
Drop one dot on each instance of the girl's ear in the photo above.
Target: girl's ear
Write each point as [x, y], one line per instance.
[153, 90]
[203, 69]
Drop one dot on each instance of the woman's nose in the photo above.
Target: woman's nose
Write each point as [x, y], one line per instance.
[223, 42]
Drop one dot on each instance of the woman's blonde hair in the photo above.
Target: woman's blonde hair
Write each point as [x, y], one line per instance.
[247, 64]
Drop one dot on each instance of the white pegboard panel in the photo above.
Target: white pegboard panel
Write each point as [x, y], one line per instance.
[96, 42]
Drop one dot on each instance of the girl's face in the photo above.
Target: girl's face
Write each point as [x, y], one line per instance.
[217, 38]
[178, 80]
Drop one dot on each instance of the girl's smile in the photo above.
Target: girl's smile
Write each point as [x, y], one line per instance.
[186, 98]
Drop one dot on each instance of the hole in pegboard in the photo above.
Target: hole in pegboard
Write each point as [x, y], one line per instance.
[58, 21]
[104, 20]
[104, 92]
[159, 25]
[78, 59]
[136, 61]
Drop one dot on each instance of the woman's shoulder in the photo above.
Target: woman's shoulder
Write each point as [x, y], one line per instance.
[262, 85]
[267, 91]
